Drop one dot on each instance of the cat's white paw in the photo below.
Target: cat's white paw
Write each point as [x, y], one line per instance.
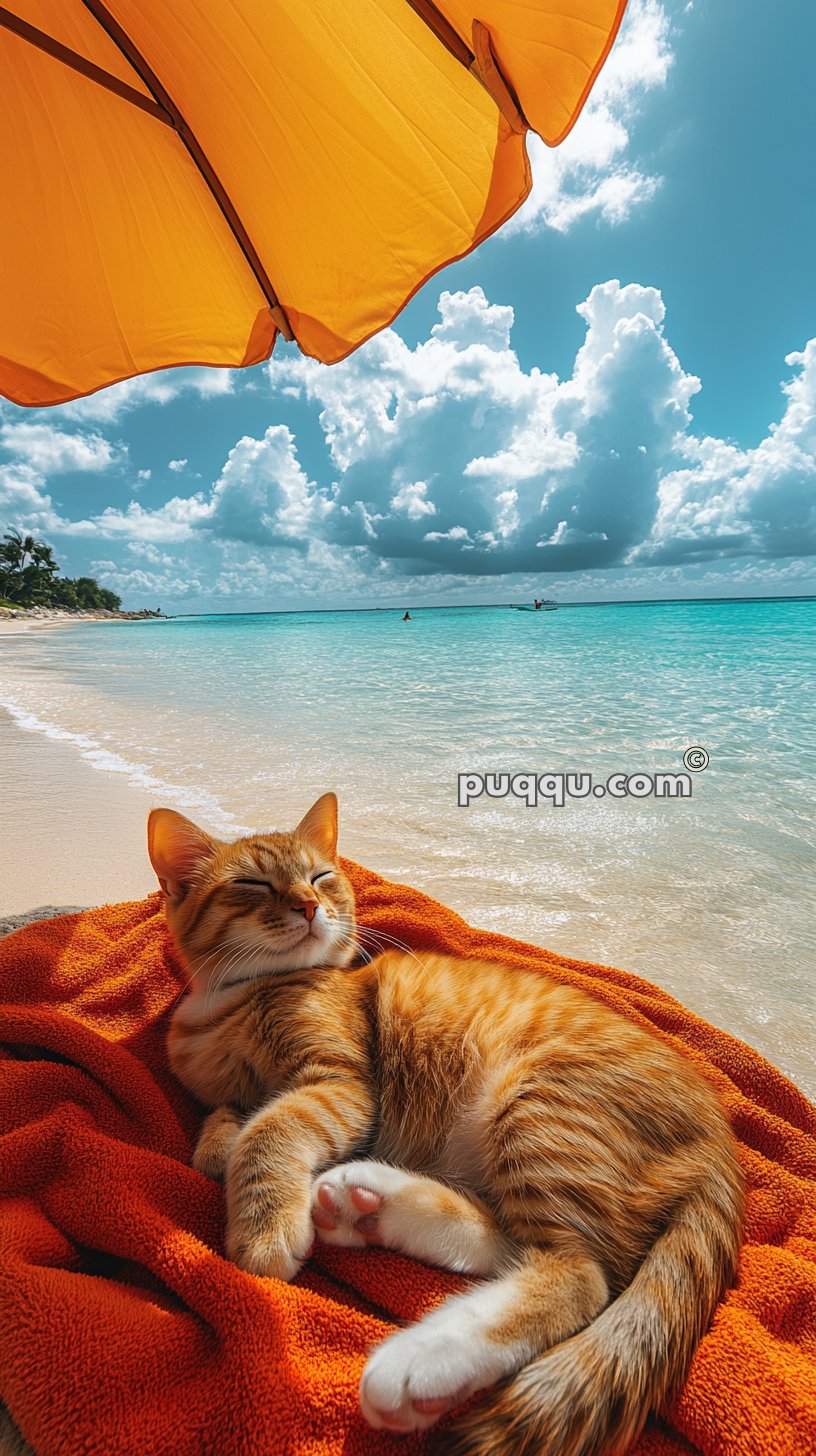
[420, 1373]
[362, 1203]
[365, 1202]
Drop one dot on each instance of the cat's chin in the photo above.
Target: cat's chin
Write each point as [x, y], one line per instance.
[267, 960]
[311, 951]
[318, 950]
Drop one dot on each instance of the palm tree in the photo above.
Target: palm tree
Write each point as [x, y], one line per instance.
[28, 577]
[43, 556]
[16, 548]
[27, 566]
[13, 551]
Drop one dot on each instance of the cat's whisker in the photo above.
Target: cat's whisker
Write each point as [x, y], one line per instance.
[352, 940]
[229, 962]
[358, 927]
[235, 960]
[391, 942]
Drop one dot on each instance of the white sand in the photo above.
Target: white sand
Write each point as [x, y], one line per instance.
[38, 624]
[69, 835]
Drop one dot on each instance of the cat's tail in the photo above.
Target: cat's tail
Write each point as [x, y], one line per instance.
[591, 1395]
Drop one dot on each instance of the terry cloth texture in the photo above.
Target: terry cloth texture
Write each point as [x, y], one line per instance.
[125, 1332]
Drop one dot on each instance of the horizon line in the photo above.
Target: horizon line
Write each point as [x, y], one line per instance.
[497, 606]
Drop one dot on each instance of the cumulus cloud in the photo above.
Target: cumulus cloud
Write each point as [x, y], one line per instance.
[137, 583]
[264, 496]
[49, 450]
[728, 501]
[519, 470]
[159, 388]
[146, 551]
[452, 465]
[412, 499]
[24, 499]
[592, 171]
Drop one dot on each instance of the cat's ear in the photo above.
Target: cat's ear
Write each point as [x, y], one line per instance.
[176, 847]
[319, 825]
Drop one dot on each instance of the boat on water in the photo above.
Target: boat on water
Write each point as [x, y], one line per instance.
[544, 606]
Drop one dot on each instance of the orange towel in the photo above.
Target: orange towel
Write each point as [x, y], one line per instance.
[123, 1329]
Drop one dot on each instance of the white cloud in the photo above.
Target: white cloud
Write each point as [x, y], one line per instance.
[263, 494]
[176, 520]
[159, 388]
[147, 552]
[51, 451]
[23, 498]
[138, 584]
[729, 501]
[524, 472]
[449, 465]
[177, 465]
[455, 533]
[412, 499]
[590, 172]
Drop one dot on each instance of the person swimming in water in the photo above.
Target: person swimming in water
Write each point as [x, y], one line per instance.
[407, 617]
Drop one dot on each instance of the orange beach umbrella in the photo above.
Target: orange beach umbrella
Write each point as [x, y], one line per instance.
[182, 180]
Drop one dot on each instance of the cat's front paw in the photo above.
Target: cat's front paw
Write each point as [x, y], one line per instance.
[366, 1202]
[218, 1136]
[269, 1238]
[277, 1252]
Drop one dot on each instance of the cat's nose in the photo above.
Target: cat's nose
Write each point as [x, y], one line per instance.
[307, 906]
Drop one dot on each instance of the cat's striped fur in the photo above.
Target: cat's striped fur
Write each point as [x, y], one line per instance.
[486, 1119]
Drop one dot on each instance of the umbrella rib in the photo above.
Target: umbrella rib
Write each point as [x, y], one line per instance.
[480, 61]
[165, 102]
[444, 31]
[87, 68]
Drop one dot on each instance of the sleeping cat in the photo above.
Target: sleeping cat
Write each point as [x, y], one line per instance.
[484, 1119]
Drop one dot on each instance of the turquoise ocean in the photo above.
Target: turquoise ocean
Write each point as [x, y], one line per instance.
[241, 721]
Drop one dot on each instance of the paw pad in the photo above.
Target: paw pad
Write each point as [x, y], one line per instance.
[344, 1211]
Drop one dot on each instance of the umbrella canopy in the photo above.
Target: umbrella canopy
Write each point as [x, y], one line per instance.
[185, 179]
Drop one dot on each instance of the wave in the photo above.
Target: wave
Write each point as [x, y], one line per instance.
[137, 774]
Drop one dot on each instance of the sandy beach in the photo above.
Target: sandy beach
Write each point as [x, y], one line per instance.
[49, 619]
[70, 835]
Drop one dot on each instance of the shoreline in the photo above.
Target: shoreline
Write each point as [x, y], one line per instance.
[36, 618]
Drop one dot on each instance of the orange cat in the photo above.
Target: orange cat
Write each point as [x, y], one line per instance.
[481, 1118]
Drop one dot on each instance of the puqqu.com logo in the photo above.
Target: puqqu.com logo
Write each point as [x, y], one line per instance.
[556, 788]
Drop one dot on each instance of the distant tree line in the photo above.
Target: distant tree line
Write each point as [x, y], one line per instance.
[29, 577]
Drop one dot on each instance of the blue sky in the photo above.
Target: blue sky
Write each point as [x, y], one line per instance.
[615, 397]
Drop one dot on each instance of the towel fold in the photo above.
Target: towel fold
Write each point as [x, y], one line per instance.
[124, 1330]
